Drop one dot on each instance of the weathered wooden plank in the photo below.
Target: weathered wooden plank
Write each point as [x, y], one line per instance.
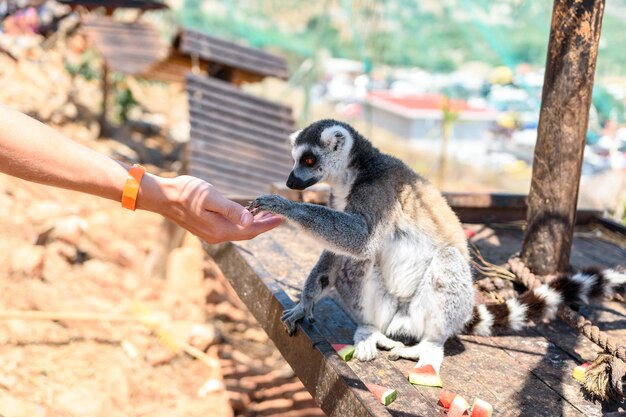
[473, 366]
[335, 387]
[498, 244]
[536, 364]
[610, 224]
[336, 325]
[601, 252]
[566, 347]
[548, 362]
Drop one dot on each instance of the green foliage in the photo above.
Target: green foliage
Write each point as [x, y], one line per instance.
[124, 102]
[84, 67]
[434, 35]
[123, 98]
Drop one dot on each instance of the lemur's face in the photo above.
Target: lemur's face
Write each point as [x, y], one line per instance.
[320, 153]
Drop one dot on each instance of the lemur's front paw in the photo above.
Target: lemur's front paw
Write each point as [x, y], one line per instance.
[365, 350]
[271, 203]
[291, 317]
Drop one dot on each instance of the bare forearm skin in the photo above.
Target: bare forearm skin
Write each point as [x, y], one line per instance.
[32, 151]
[35, 152]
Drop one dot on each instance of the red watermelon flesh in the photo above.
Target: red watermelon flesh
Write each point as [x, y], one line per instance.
[469, 233]
[446, 398]
[345, 351]
[426, 376]
[383, 394]
[481, 408]
[459, 407]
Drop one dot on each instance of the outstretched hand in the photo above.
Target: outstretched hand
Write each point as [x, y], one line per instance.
[197, 206]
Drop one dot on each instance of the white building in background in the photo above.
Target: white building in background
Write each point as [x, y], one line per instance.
[420, 116]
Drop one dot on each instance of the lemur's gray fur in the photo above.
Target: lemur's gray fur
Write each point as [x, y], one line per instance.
[396, 252]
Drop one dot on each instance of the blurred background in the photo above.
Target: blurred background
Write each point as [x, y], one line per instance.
[452, 87]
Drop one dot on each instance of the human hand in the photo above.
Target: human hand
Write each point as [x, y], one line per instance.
[197, 206]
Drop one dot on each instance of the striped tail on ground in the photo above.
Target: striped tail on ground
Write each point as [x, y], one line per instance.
[543, 301]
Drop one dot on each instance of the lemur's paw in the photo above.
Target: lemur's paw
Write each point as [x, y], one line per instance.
[271, 203]
[291, 317]
[365, 350]
[388, 344]
[403, 352]
[308, 312]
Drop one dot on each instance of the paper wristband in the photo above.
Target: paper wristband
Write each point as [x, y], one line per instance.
[131, 187]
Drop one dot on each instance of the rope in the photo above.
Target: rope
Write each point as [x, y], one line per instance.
[610, 385]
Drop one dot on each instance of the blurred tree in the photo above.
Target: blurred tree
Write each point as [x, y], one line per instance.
[436, 36]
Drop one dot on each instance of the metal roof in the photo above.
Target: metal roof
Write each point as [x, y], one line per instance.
[131, 48]
[233, 54]
[114, 4]
[239, 142]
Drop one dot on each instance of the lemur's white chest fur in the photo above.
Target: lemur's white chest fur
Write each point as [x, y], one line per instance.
[341, 190]
[397, 292]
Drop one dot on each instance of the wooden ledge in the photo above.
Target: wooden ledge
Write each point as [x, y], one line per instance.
[268, 272]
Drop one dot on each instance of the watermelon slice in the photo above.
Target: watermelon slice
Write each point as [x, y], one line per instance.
[446, 398]
[579, 372]
[383, 394]
[481, 408]
[426, 376]
[459, 407]
[345, 351]
[469, 233]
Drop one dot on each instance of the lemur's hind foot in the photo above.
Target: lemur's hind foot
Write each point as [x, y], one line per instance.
[366, 341]
[425, 353]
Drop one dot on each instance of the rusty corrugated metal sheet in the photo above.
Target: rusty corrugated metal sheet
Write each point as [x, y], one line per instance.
[233, 54]
[131, 48]
[239, 142]
[114, 4]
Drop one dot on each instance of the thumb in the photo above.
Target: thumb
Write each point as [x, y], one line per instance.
[234, 212]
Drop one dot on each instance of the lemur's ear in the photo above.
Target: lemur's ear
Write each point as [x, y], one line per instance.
[333, 136]
[294, 136]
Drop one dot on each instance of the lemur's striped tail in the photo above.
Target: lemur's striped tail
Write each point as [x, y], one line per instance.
[543, 301]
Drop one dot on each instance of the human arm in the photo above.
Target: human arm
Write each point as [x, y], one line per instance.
[33, 151]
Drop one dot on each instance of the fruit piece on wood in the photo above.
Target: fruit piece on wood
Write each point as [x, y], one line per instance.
[345, 351]
[469, 233]
[459, 407]
[383, 394]
[446, 398]
[579, 372]
[425, 376]
[481, 408]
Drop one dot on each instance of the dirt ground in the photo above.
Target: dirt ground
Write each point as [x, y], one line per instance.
[65, 252]
[114, 335]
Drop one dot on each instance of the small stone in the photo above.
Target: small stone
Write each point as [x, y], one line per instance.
[70, 229]
[130, 349]
[212, 385]
[160, 355]
[201, 336]
[29, 260]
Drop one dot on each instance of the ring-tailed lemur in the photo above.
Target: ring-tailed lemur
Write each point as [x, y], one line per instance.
[396, 252]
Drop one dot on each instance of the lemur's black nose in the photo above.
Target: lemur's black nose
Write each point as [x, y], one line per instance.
[292, 181]
[295, 183]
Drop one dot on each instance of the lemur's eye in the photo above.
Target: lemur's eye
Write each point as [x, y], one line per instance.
[309, 161]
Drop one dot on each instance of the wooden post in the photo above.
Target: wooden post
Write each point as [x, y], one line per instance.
[570, 69]
[105, 99]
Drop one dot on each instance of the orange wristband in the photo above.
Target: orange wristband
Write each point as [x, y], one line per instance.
[131, 188]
